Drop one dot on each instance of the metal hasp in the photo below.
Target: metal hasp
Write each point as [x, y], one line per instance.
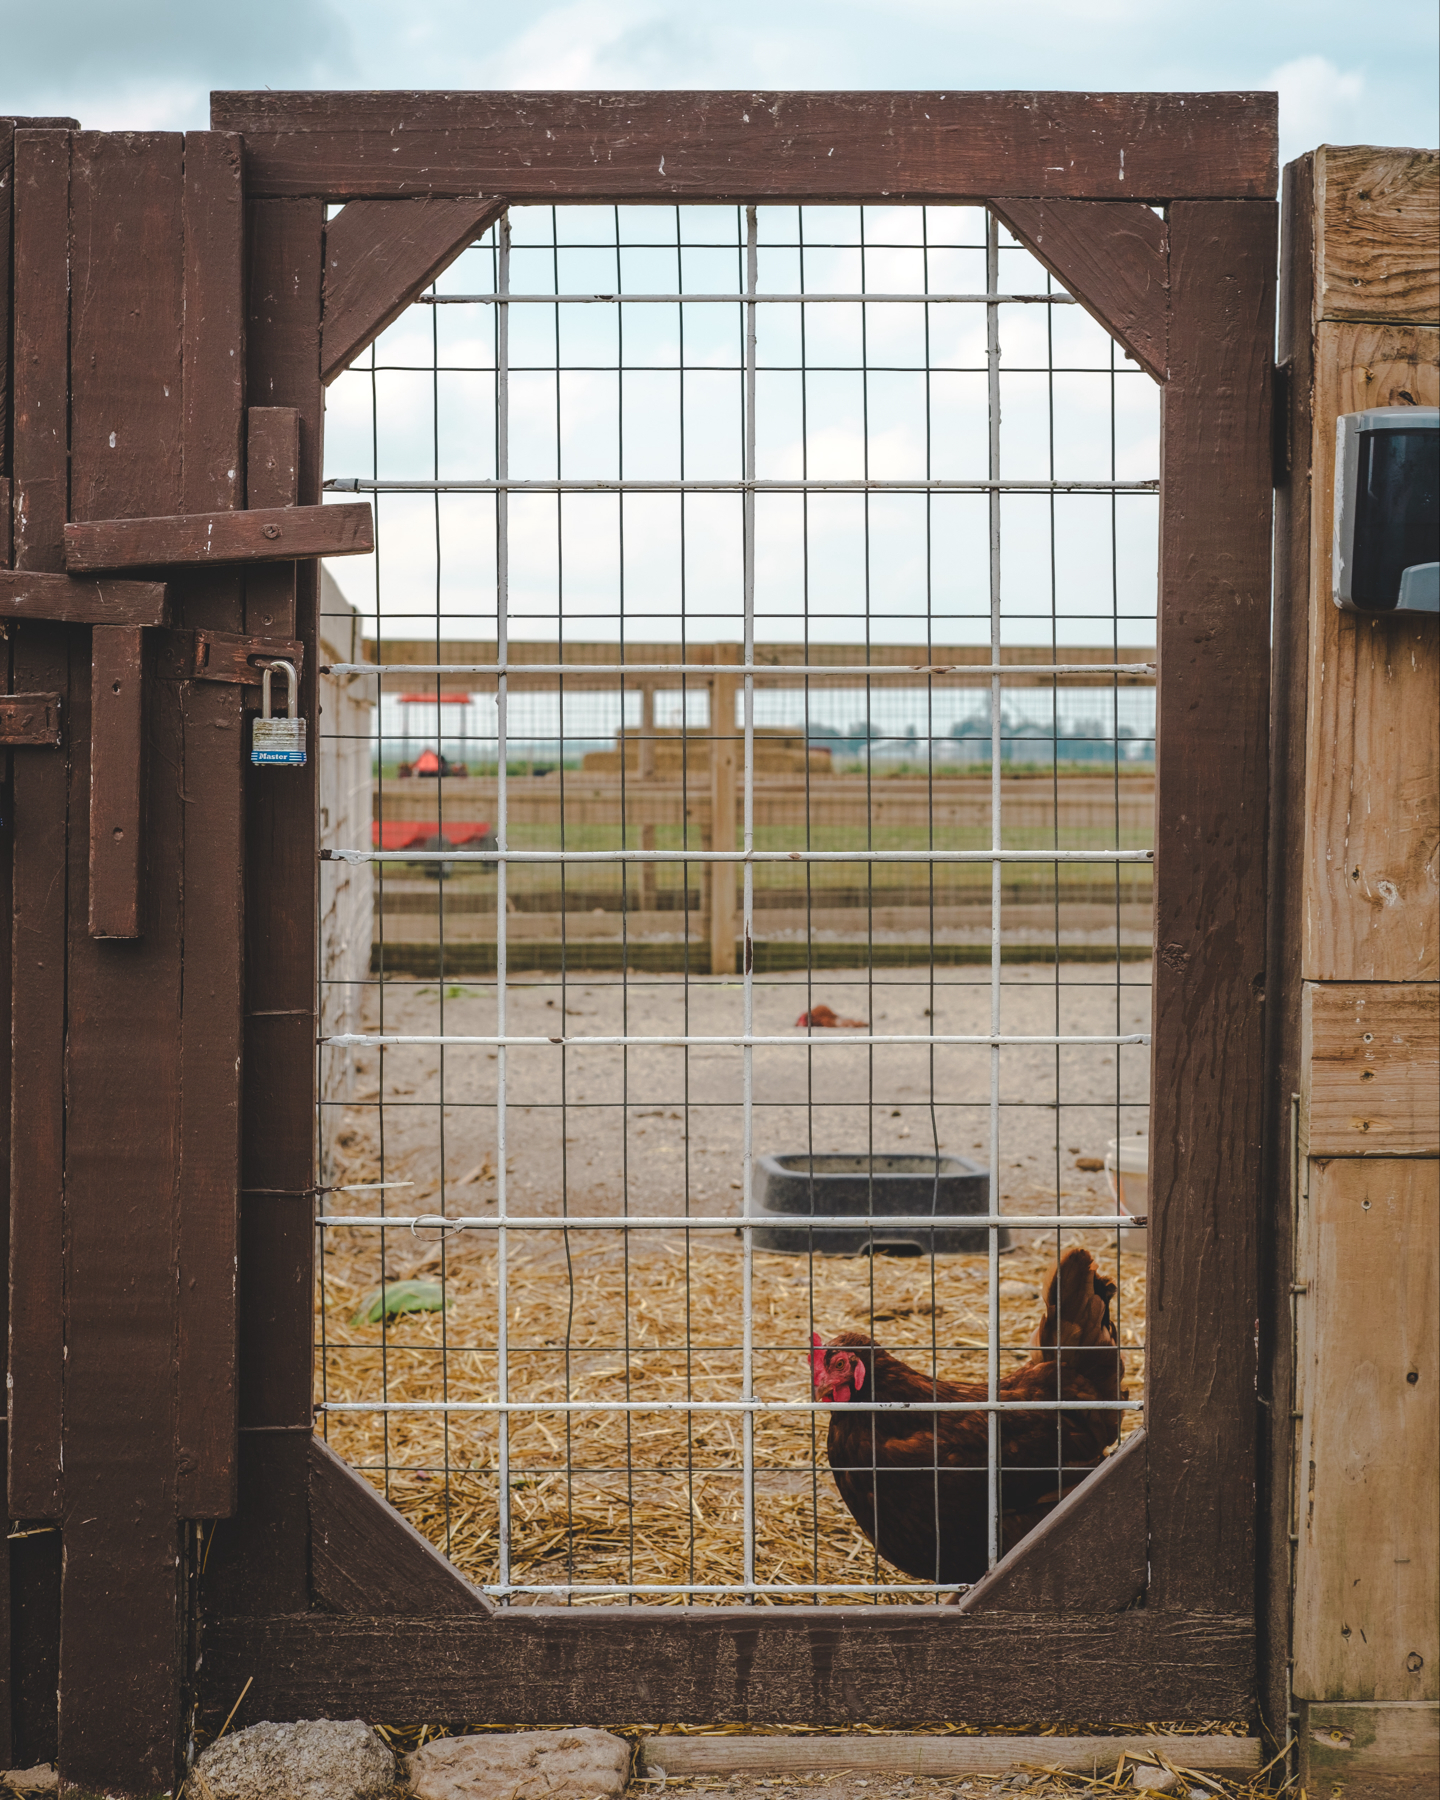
[278, 741]
[1387, 510]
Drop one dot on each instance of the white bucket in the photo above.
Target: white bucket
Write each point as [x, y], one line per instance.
[1127, 1170]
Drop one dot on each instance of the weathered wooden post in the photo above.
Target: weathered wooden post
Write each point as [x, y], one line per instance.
[1356, 1008]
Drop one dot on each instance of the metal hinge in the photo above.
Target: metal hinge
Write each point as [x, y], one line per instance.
[30, 721]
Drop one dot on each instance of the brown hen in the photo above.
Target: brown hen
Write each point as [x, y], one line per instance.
[915, 1482]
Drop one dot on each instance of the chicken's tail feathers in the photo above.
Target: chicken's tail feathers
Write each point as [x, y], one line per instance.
[1077, 1305]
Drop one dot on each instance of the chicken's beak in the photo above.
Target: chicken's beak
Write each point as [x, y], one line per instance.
[832, 1384]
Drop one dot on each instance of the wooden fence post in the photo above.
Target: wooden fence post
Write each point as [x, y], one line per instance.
[1361, 1008]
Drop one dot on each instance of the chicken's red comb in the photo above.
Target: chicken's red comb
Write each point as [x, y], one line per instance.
[817, 1356]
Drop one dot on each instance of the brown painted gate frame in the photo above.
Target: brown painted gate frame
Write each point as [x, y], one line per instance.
[208, 300]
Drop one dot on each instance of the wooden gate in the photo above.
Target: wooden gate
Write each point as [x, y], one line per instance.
[178, 303]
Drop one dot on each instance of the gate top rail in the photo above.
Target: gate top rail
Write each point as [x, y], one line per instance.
[750, 147]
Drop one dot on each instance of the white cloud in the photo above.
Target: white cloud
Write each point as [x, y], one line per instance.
[1319, 103]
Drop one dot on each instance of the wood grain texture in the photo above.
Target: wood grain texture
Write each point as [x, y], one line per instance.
[41, 361]
[1376, 243]
[1378, 1752]
[1112, 257]
[117, 688]
[37, 1091]
[213, 344]
[261, 1558]
[207, 1244]
[1289, 673]
[35, 1647]
[776, 1665]
[1207, 1067]
[270, 534]
[1089, 1555]
[273, 453]
[1372, 775]
[213, 352]
[367, 1559]
[935, 1756]
[1367, 1623]
[31, 720]
[120, 1582]
[81, 600]
[755, 146]
[7, 226]
[273, 479]
[379, 254]
[1372, 1064]
[212, 724]
[39, 663]
[15, 717]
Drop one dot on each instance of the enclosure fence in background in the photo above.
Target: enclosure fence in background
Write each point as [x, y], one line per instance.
[557, 1320]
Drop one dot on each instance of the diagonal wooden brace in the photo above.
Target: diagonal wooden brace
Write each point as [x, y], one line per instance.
[379, 254]
[1113, 256]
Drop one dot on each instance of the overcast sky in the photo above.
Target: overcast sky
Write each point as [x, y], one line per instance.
[1345, 74]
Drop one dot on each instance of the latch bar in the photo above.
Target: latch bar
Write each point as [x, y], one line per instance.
[265, 534]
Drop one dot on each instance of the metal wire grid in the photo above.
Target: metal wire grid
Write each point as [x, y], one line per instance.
[500, 1042]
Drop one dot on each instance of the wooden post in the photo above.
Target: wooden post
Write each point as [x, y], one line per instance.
[723, 761]
[1357, 1002]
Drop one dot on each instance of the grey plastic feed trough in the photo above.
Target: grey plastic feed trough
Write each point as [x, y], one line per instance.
[787, 1187]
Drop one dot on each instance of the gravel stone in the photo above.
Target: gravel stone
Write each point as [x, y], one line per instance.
[315, 1759]
[42, 1779]
[581, 1764]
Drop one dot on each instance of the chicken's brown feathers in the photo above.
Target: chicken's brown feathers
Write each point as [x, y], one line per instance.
[904, 1474]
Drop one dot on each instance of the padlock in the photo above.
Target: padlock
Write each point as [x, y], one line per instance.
[278, 740]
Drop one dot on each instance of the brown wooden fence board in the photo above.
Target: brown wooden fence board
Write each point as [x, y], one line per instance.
[265, 1559]
[273, 479]
[213, 398]
[755, 146]
[41, 356]
[266, 534]
[40, 662]
[210, 1102]
[7, 194]
[81, 600]
[122, 1075]
[35, 1647]
[213, 725]
[7, 188]
[811, 1666]
[1207, 1069]
[1289, 661]
[116, 771]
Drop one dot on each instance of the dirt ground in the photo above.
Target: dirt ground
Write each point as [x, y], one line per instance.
[654, 1129]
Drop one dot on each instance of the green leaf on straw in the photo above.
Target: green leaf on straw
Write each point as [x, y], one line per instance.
[398, 1297]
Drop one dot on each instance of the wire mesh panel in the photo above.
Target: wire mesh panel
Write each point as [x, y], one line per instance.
[762, 739]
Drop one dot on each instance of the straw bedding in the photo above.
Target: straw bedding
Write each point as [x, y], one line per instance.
[649, 1497]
